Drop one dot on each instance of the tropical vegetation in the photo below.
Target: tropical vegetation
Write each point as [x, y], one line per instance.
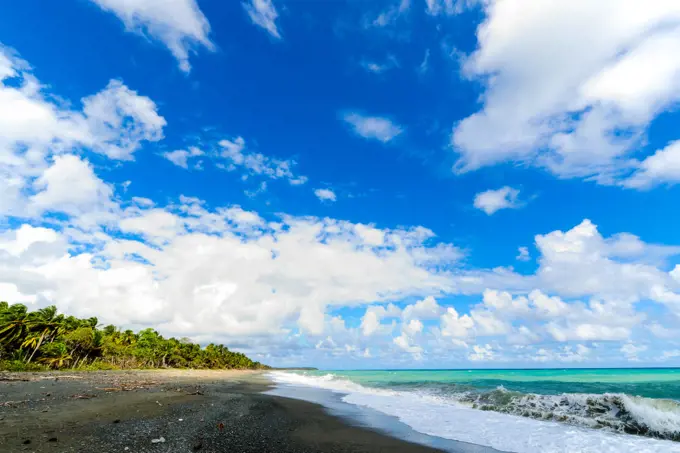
[45, 339]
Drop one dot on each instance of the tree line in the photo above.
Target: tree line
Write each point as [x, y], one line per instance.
[45, 339]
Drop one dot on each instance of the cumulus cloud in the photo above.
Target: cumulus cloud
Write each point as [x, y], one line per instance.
[208, 272]
[373, 127]
[661, 167]
[492, 201]
[120, 120]
[575, 105]
[70, 186]
[179, 24]
[371, 322]
[325, 194]
[427, 308]
[264, 15]
[35, 130]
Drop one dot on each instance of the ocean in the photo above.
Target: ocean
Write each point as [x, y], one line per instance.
[523, 411]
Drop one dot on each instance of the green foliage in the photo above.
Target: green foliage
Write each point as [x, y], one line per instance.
[34, 341]
[20, 365]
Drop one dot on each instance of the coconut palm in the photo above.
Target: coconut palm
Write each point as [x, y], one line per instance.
[43, 323]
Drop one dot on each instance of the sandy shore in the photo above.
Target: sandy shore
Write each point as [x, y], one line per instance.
[170, 411]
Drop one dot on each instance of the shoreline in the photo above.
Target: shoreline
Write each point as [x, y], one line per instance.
[181, 410]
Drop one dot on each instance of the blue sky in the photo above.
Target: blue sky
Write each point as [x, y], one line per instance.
[274, 174]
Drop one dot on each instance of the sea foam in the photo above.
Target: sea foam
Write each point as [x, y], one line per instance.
[454, 417]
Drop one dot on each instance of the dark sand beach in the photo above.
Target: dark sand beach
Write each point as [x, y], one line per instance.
[170, 411]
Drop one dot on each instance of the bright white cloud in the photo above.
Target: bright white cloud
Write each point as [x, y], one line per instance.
[235, 156]
[325, 194]
[492, 201]
[264, 15]
[407, 340]
[427, 308]
[453, 325]
[119, 121]
[35, 130]
[181, 157]
[560, 101]
[373, 127]
[663, 167]
[178, 24]
[371, 321]
[227, 270]
[70, 186]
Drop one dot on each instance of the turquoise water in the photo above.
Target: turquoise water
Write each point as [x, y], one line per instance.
[645, 382]
[643, 402]
[523, 411]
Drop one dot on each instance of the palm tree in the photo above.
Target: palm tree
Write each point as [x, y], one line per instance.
[43, 323]
[14, 323]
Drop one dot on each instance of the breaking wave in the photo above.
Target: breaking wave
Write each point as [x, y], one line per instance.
[569, 422]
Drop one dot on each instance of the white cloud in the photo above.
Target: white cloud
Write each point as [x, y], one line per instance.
[325, 194]
[631, 351]
[373, 127]
[114, 121]
[181, 157]
[120, 120]
[371, 321]
[427, 308]
[178, 24]
[70, 186]
[236, 156]
[481, 353]
[580, 262]
[523, 254]
[406, 340]
[264, 15]
[226, 270]
[35, 130]
[390, 15]
[560, 101]
[661, 167]
[491, 201]
[448, 7]
[453, 325]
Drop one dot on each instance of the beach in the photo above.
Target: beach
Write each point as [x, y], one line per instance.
[171, 411]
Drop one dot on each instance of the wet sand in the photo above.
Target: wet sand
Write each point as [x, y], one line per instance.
[181, 410]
